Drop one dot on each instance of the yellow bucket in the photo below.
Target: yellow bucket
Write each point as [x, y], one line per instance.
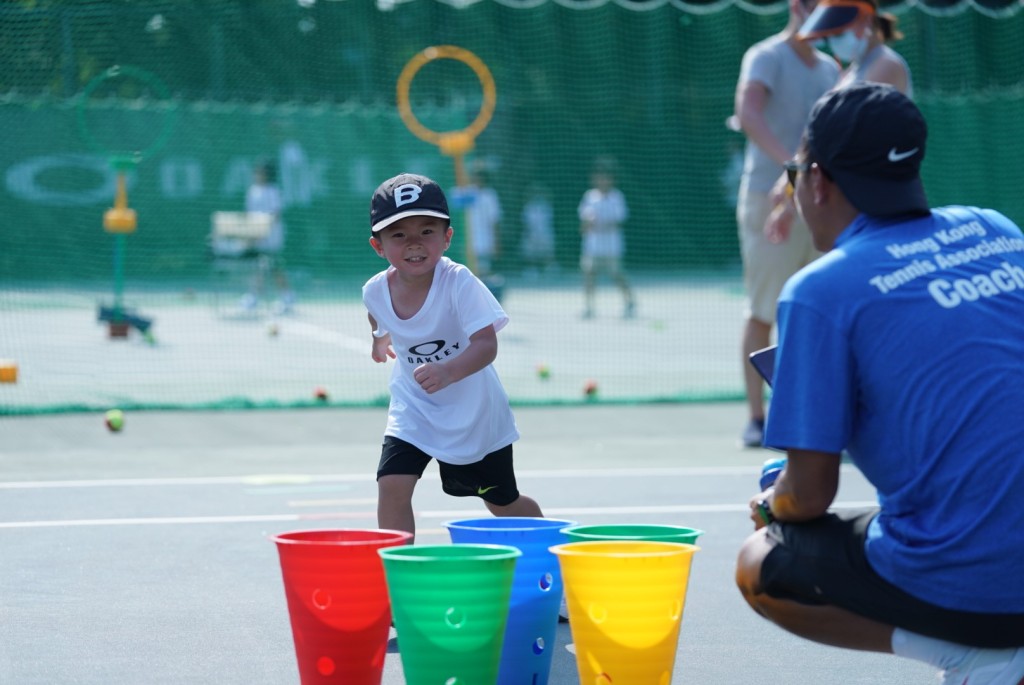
[625, 601]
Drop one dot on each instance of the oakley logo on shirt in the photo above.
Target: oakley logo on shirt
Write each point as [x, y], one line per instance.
[432, 351]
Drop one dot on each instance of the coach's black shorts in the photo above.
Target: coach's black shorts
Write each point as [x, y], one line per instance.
[491, 479]
[823, 562]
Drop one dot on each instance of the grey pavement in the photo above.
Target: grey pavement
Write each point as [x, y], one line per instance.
[143, 558]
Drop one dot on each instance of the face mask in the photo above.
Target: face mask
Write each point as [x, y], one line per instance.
[847, 47]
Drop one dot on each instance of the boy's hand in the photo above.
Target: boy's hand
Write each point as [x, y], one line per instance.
[382, 349]
[433, 377]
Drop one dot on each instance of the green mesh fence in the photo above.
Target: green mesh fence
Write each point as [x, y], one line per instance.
[205, 90]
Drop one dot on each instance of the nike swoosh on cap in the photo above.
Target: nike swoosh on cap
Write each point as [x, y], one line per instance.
[900, 156]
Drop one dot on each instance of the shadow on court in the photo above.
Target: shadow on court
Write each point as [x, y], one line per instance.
[142, 557]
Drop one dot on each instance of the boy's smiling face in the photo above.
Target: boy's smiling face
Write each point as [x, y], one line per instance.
[413, 245]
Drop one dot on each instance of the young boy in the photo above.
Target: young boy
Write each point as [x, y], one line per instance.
[602, 212]
[439, 323]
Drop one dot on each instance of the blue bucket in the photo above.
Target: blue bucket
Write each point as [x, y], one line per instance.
[536, 590]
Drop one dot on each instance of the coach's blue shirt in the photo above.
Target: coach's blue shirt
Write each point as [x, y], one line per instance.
[905, 346]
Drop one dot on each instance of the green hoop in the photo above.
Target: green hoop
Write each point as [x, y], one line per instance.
[126, 160]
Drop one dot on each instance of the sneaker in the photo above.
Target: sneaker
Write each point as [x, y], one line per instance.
[630, 311]
[285, 305]
[988, 667]
[588, 313]
[753, 434]
[563, 611]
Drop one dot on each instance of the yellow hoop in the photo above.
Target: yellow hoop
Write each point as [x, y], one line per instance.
[451, 143]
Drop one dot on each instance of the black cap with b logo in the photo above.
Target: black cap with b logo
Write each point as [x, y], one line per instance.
[406, 195]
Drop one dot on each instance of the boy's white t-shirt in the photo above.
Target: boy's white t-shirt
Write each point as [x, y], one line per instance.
[484, 215]
[266, 198]
[606, 213]
[469, 419]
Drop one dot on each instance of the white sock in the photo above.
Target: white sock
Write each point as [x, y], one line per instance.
[939, 653]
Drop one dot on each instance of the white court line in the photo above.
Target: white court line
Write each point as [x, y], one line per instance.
[326, 335]
[440, 514]
[333, 502]
[303, 479]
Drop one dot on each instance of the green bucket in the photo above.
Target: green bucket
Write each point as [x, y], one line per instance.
[629, 531]
[450, 605]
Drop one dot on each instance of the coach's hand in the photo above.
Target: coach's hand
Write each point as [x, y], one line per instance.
[755, 513]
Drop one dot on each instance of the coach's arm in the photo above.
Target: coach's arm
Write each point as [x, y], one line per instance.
[806, 487]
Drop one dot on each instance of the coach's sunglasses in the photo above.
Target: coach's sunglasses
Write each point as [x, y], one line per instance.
[794, 167]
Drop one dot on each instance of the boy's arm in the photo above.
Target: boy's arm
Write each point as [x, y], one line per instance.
[381, 344]
[482, 350]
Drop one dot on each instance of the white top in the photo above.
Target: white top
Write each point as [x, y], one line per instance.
[467, 420]
[604, 214]
[266, 199]
[793, 88]
[484, 213]
[856, 72]
[539, 236]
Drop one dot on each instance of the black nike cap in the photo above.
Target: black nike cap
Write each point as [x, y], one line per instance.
[870, 139]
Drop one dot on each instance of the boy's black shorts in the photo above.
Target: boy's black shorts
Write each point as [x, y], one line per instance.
[492, 479]
[823, 562]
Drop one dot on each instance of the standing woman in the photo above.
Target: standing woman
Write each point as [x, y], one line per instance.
[858, 36]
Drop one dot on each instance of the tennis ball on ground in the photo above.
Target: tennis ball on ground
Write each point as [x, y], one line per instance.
[543, 371]
[320, 394]
[114, 420]
[590, 388]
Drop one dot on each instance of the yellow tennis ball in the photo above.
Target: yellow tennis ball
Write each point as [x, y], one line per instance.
[115, 420]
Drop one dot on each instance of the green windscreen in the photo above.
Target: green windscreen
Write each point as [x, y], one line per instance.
[185, 98]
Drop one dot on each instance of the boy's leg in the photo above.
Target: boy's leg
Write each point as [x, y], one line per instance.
[493, 480]
[524, 506]
[394, 502]
[589, 285]
[401, 465]
[619, 276]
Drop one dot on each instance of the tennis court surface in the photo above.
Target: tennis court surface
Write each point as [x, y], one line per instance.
[142, 557]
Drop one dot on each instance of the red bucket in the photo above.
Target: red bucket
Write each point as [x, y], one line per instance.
[338, 602]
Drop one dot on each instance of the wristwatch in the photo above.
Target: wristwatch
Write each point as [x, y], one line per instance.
[764, 510]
